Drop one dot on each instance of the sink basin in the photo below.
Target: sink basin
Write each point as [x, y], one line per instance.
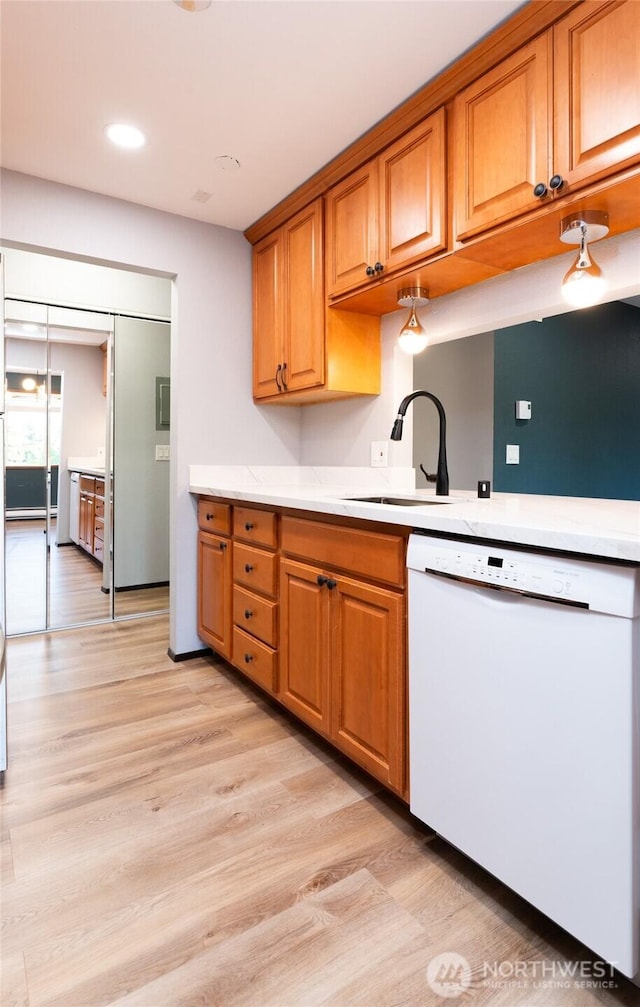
[403, 501]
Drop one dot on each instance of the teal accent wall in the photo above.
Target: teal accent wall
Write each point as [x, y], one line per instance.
[581, 371]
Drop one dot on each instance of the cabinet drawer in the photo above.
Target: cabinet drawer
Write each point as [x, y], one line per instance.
[98, 530]
[257, 526]
[255, 569]
[98, 549]
[213, 516]
[255, 659]
[99, 507]
[367, 553]
[100, 487]
[258, 616]
[87, 484]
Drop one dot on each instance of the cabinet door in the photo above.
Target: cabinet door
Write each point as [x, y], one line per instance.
[501, 139]
[597, 90]
[268, 315]
[304, 644]
[368, 716]
[352, 229]
[214, 592]
[413, 195]
[304, 300]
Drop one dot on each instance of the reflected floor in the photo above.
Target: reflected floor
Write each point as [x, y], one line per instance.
[76, 594]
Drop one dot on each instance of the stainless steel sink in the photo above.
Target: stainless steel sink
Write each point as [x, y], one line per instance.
[403, 501]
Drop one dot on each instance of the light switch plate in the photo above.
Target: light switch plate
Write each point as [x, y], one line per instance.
[162, 452]
[513, 454]
[379, 454]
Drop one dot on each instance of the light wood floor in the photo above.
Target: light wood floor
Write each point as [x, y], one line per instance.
[76, 594]
[171, 838]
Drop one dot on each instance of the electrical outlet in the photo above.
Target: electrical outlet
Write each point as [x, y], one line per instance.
[379, 454]
[513, 454]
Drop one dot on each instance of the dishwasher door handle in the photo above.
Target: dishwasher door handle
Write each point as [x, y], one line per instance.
[518, 592]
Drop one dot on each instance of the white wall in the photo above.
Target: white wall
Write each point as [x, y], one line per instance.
[214, 419]
[340, 433]
[141, 484]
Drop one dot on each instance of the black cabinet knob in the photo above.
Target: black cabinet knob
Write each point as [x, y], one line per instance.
[331, 583]
[556, 182]
[223, 545]
[540, 190]
[209, 517]
[248, 526]
[378, 267]
[248, 658]
[248, 568]
[370, 271]
[321, 580]
[247, 613]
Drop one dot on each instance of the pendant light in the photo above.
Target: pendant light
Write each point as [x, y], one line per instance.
[413, 338]
[584, 284]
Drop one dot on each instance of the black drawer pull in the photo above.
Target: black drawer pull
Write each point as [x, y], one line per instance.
[248, 658]
[223, 545]
[322, 580]
[247, 613]
[248, 526]
[248, 568]
[209, 517]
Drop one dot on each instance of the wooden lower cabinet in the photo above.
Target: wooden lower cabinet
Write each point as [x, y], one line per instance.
[342, 665]
[215, 592]
[304, 644]
[367, 680]
[314, 612]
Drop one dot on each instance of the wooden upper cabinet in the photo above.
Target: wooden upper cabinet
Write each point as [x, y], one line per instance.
[501, 139]
[288, 306]
[413, 195]
[597, 90]
[352, 230]
[391, 212]
[565, 105]
[268, 314]
[304, 364]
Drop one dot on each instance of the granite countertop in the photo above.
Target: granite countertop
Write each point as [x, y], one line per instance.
[608, 529]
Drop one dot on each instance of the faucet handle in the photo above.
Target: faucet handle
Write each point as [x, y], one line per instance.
[430, 477]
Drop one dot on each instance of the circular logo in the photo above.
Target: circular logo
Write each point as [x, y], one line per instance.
[449, 974]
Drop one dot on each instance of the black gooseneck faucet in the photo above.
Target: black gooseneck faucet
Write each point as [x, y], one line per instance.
[442, 478]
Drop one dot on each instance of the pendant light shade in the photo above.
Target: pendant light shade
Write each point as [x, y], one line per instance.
[584, 283]
[413, 338]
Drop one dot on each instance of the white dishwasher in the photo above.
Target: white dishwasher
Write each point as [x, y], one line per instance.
[524, 736]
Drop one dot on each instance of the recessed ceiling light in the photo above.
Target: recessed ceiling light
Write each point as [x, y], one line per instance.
[193, 5]
[227, 163]
[126, 136]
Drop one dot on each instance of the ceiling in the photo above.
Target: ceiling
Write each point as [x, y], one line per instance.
[280, 85]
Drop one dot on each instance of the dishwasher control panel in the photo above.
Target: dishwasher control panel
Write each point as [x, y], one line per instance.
[580, 582]
[521, 573]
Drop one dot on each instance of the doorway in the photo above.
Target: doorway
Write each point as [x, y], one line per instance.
[61, 421]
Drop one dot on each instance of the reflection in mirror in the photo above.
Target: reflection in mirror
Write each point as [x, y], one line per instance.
[581, 372]
[141, 454]
[51, 580]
